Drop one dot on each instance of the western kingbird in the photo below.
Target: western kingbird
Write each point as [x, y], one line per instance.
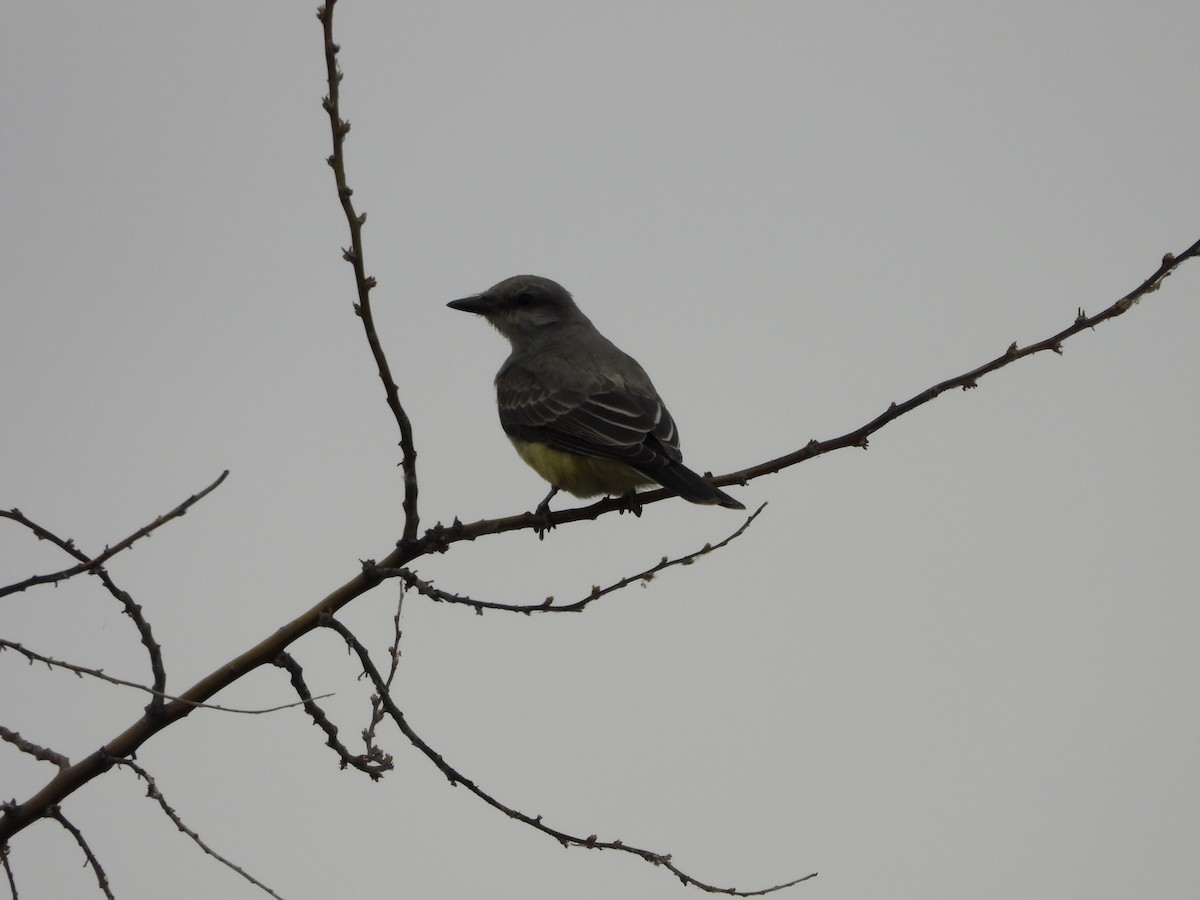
[578, 410]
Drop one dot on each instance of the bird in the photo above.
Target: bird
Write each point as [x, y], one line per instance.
[581, 412]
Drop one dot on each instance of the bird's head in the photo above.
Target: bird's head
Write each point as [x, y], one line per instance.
[524, 307]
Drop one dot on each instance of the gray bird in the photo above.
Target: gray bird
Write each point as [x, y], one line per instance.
[582, 413]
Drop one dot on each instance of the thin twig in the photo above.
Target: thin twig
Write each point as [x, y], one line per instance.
[95, 567]
[455, 778]
[45, 754]
[12, 879]
[89, 564]
[57, 814]
[427, 589]
[49, 661]
[968, 380]
[377, 711]
[154, 793]
[364, 283]
[373, 765]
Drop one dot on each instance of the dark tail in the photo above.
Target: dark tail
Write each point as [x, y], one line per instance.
[692, 487]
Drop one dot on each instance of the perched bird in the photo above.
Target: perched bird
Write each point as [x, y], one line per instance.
[578, 410]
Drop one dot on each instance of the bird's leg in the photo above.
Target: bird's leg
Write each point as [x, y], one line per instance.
[630, 502]
[543, 510]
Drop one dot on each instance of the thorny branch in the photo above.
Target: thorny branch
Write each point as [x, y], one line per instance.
[377, 711]
[968, 380]
[354, 255]
[154, 793]
[427, 589]
[52, 663]
[44, 754]
[12, 880]
[88, 564]
[455, 778]
[56, 814]
[373, 765]
[95, 567]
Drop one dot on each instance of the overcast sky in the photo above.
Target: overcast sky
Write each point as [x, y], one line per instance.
[962, 663]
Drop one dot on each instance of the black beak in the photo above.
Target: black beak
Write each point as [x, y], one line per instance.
[476, 304]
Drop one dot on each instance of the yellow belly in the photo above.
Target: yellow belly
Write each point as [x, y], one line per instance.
[583, 476]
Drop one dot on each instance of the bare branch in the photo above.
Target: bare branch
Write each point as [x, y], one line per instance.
[154, 793]
[99, 673]
[377, 711]
[95, 567]
[87, 564]
[373, 765]
[12, 880]
[15, 817]
[967, 380]
[427, 589]
[456, 778]
[56, 814]
[134, 611]
[354, 255]
[37, 752]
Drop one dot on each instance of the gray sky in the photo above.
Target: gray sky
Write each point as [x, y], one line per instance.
[960, 664]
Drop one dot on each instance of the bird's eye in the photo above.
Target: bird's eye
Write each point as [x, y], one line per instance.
[523, 299]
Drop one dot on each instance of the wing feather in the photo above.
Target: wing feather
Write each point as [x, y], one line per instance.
[611, 421]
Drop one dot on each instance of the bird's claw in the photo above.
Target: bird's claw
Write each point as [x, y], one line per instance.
[543, 510]
[629, 503]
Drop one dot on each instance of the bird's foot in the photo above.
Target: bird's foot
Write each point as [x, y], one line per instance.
[543, 510]
[629, 503]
